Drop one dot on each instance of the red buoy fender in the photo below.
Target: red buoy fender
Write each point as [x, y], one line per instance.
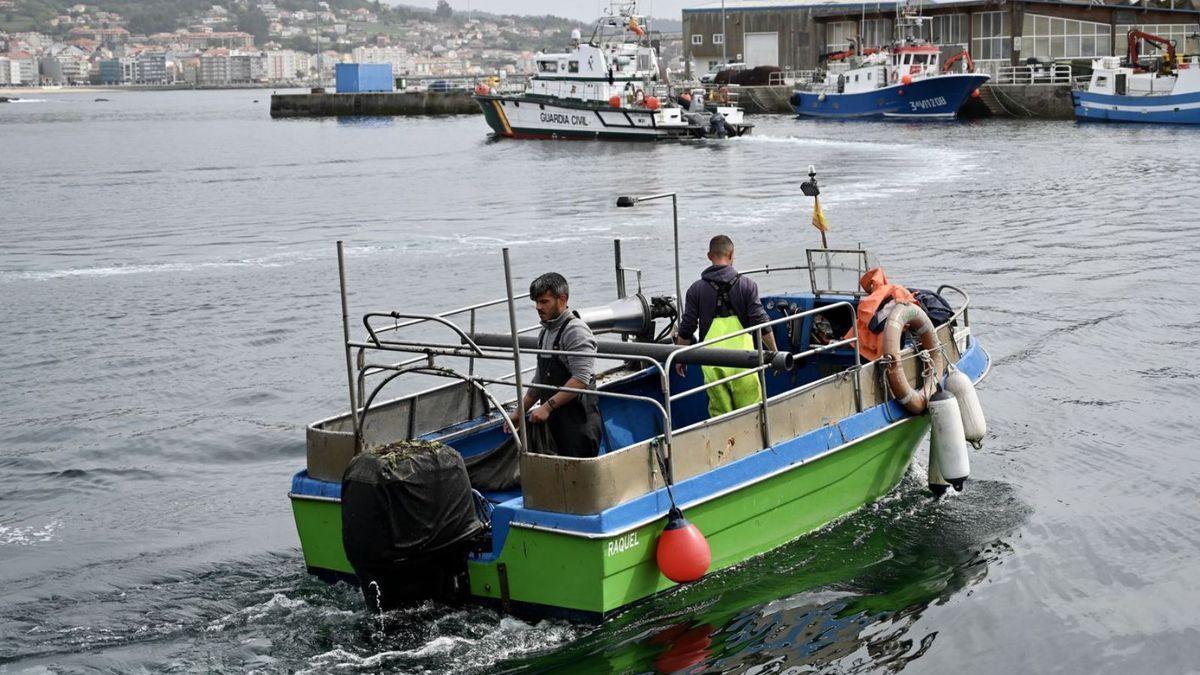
[682, 553]
[614, 101]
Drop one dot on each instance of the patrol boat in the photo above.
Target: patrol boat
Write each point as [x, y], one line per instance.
[611, 87]
[1168, 92]
[438, 494]
[906, 80]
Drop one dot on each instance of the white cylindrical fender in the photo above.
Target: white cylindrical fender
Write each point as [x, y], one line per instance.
[947, 440]
[974, 423]
[937, 484]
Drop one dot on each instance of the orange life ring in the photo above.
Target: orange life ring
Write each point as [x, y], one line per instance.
[910, 317]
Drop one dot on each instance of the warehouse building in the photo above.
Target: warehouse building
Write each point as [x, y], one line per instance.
[799, 34]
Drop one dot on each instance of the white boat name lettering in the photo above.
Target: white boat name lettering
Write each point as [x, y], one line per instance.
[927, 103]
[559, 118]
[622, 544]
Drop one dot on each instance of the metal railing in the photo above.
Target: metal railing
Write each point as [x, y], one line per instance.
[379, 338]
[760, 370]
[1046, 73]
[793, 78]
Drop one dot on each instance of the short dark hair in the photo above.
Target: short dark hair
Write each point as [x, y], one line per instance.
[550, 282]
[720, 245]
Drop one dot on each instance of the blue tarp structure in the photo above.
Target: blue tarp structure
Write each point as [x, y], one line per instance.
[353, 78]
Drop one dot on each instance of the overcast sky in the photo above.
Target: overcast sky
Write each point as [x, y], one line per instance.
[584, 10]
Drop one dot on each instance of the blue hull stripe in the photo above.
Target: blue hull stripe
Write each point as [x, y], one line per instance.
[1176, 109]
[940, 96]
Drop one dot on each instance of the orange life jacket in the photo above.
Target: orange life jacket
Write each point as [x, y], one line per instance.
[880, 292]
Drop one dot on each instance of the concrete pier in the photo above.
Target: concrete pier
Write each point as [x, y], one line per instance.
[765, 100]
[1029, 101]
[394, 103]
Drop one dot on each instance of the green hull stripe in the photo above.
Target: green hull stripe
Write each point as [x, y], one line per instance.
[599, 576]
[559, 570]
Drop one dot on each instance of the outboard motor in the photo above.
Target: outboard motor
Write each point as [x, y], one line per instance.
[717, 125]
[408, 523]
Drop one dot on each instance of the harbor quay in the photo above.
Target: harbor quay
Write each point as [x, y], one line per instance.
[399, 103]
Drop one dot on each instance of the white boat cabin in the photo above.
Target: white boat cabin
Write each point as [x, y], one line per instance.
[884, 68]
[1112, 78]
[596, 71]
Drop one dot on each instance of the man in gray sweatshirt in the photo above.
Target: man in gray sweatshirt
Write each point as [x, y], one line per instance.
[573, 420]
[722, 302]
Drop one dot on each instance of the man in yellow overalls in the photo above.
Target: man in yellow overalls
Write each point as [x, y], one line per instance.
[719, 303]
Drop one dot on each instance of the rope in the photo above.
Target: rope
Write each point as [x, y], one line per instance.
[884, 363]
[1028, 113]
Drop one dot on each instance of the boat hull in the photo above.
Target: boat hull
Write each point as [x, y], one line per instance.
[1169, 109]
[552, 564]
[528, 118]
[554, 573]
[938, 97]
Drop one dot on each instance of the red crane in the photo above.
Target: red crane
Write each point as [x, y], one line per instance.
[1136, 36]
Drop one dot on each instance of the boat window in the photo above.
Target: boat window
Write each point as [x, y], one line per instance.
[572, 66]
[868, 75]
[1102, 81]
[547, 66]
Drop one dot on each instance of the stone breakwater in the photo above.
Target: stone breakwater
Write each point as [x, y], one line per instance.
[393, 103]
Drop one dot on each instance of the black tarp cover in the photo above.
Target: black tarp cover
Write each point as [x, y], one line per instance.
[405, 501]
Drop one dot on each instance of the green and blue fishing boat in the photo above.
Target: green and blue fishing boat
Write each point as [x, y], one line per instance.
[577, 537]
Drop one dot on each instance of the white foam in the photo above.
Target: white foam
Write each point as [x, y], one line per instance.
[255, 613]
[274, 260]
[29, 535]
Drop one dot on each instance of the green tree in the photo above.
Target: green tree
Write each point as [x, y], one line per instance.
[302, 43]
[443, 10]
[254, 22]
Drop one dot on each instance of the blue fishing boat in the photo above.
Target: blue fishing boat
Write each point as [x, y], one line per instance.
[1167, 92]
[906, 80]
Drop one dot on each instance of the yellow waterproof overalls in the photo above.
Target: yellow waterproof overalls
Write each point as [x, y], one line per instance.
[737, 393]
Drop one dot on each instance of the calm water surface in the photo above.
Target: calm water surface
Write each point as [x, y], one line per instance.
[171, 322]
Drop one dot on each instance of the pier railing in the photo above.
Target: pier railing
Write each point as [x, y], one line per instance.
[1045, 73]
[792, 78]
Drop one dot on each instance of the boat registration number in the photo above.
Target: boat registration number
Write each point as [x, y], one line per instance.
[927, 103]
[560, 118]
[622, 544]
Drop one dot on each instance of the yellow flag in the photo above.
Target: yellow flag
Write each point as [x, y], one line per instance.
[818, 219]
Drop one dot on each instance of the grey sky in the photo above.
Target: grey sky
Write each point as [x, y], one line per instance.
[584, 10]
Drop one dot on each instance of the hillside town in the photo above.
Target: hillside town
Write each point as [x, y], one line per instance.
[87, 46]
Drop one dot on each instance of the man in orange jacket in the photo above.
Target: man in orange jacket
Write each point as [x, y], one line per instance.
[873, 311]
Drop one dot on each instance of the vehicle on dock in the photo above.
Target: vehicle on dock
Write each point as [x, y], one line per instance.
[440, 494]
[905, 80]
[612, 87]
[1166, 92]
